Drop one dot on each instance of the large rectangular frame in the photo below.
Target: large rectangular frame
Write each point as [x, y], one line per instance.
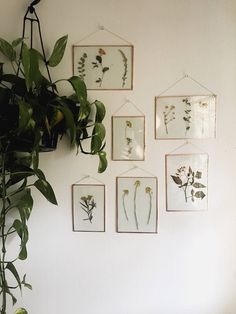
[170, 117]
[126, 73]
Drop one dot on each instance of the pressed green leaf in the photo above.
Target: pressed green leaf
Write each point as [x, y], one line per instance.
[58, 51]
[99, 59]
[25, 284]
[200, 194]
[21, 311]
[198, 185]
[198, 175]
[100, 111]
[190, 171]
[45, 188]
[105, 69]
[177, 180]
[10, 266]
[7, 50]
[102, 162]
[14, 299]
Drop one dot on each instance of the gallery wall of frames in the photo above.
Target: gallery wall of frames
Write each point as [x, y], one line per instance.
[176, 117]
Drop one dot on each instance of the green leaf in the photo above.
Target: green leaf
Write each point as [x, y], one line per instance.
[21, 311]
[25, 205]
[102, 162]
[45, 188]
[79, 88]
[23, 253]
[17, 225]
[14, 300]
[177, 180]
[10, 266]
[7, 50]
[58, 51]
[39, 173]
[25, 284]
[99, 130]
[96, 144]
[70, 123]
[26, 65]
[25, 113]
[17, 41]
[34, 74]
[198, 185]
[100, 111]
[200, 194]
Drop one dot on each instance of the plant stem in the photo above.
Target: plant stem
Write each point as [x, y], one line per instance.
[150, 207]
[123, 198]
[3, 237]
[135, 209]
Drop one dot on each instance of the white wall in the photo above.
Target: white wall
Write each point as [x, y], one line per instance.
[189, 267]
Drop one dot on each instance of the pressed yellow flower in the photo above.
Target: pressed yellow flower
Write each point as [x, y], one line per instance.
[128, 124]
[203, 104]
[148, 189]
[137, 183]
[126, 192]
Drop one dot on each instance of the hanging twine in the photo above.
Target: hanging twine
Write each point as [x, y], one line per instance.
[125, 104]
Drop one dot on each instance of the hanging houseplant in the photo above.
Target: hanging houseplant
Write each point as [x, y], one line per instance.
[32, 115]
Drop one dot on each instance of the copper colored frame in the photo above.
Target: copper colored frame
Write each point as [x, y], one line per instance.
[181, 138]
[107, 89]
[73, 208]
[112, 138]
[185, 210]
[117, 209]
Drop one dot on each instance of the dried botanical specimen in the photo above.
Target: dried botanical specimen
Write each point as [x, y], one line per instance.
[125, 62]
[137, 185]
[99, 64]
[125, 193]
[88, 205]
[185, 178]
[187, 117]
[81, 66]
[129, 134]
[148, 190]
[168, 115]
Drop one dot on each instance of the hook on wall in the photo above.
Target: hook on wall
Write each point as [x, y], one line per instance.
[31, 7]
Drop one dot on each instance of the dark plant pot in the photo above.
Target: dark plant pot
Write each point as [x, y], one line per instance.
[49, 142]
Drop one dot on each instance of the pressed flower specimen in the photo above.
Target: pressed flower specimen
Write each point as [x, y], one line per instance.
[88, 205]
[137, 184]
[125, 63]
[168, 115]
[99, 64]
[81, 66]
[125, 193]
[189, 181]
[187, 117]
[148, 190]
[129, 137]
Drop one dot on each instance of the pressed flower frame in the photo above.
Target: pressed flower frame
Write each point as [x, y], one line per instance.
[128, 138]
[88, 207]
[136, 204]
[104, 67]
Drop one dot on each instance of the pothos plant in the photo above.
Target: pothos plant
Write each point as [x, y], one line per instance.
[32, 112]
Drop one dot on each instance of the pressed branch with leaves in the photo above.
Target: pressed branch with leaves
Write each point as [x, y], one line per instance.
[99, 64]
[129, 137]
[187, 117]
[88, 205]
[81, 66]
[125, 63]
[189, 181]
[168, 115]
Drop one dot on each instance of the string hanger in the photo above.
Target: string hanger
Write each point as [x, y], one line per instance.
[128, 101]
[135, 167]
[88, 177]
[187, 142]
[103, 28]
[187, 76]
